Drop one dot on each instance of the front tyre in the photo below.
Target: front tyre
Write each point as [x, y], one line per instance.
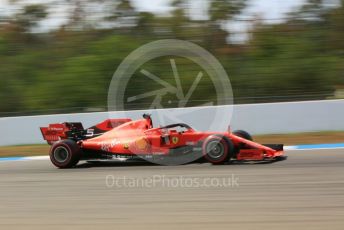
[217, 149]
[65, 154]
[243, 134]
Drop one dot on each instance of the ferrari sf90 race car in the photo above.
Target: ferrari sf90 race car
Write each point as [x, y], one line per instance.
[127, 139]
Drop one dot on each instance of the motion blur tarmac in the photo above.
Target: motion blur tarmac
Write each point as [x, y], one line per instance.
[306, 191]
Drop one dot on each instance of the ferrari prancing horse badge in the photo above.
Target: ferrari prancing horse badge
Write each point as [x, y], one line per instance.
[175, 140]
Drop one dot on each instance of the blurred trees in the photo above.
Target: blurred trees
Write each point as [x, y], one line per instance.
[69, 69]
[30, 16]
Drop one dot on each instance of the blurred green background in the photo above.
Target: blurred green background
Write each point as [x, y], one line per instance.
[68, 68]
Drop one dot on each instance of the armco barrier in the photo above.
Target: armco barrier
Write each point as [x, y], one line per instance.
[290, 117]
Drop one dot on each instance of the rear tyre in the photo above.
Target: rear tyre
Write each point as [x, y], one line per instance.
[65, 154]
[217, 149]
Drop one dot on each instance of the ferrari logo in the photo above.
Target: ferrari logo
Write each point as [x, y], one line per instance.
[126, 146]
[175, 140]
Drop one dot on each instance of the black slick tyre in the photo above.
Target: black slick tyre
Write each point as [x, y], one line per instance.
[65, 154]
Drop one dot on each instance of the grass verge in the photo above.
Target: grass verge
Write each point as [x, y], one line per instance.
[301, 138]
[24, 150]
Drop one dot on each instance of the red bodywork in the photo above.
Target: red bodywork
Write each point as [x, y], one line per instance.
[140, 138]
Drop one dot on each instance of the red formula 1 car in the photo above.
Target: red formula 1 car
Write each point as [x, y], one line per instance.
[171, 144]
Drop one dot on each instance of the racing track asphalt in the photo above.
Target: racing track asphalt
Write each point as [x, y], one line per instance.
[306, 191]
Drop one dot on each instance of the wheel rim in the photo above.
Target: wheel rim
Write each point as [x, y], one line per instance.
[61, 154]
[215, 149]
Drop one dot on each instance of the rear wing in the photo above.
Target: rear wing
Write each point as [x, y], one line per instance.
[60, 131]
[76, 131]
